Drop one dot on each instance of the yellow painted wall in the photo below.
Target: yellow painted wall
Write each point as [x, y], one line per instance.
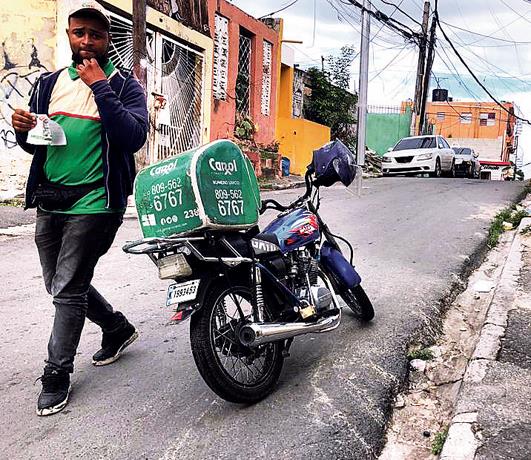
[298, 137]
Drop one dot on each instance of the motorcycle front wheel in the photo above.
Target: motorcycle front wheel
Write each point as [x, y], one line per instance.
[359, 303]
[234, 372]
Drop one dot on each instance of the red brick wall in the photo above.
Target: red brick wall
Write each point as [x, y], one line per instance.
[224, 112]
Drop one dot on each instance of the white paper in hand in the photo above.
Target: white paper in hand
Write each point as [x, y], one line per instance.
[46, 132]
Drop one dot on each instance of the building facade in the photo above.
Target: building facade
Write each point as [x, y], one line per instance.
[483, 126]
[245, 71]
[297, 137]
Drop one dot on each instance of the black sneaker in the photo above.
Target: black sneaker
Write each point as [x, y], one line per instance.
[55, 389]
[113, 344]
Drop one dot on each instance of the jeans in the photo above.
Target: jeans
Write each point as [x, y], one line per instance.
[69, 247]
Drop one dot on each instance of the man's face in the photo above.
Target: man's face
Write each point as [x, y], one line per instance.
[89, 38]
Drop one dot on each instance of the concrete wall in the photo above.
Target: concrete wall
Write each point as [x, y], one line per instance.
[298, 137]
[452, 125]
[28, 40]
[384, 130]
[488, 149]
[224, 112]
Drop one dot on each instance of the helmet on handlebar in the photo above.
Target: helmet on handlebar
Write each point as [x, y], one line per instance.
[331, 163]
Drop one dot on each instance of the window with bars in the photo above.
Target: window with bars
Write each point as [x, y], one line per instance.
[175, 70]
[266, 77]
[243, 80]
[221, 57]
[487, 119]
[466, 118]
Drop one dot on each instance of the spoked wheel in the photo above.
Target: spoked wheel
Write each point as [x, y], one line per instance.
[233, 371]
[359, 303]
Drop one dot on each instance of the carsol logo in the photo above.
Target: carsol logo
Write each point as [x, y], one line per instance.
[164, 169]
[223, 166]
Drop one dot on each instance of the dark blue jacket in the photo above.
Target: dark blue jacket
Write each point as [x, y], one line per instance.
[122, 107]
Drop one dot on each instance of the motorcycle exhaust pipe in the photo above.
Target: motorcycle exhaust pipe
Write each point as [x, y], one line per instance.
[254, 334]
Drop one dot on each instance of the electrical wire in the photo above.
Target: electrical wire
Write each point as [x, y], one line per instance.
[402, 11]
[453, 26]
[279, 10]
[391, 23]
[470, 70]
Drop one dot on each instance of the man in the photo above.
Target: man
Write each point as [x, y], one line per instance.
[80, 190]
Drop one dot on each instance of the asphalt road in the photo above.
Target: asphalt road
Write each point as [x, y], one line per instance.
[412, 237]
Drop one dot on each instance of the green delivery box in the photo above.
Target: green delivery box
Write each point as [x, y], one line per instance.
[213, 186]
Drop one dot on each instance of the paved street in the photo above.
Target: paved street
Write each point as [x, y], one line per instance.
[411, 236]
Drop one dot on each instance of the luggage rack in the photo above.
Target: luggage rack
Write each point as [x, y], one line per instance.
[157, 248]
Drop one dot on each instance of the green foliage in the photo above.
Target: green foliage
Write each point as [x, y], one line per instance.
[511, 215]
[438, 442]
[245, 128]
[331, 103]
[526, 230]
[424, 353]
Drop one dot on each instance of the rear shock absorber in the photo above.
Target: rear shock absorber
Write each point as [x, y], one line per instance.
[259, 295]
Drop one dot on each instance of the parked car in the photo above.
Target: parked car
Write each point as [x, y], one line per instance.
[466, 162]
[419, 155]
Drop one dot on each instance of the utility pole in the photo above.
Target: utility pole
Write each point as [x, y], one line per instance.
[363, 82]
[420, 68]
[427, 74]
[139, 41]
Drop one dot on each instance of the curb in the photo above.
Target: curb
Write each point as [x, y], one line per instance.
[462, 442]
[272, 186]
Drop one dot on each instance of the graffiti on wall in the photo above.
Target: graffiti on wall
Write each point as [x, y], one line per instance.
[17, 80]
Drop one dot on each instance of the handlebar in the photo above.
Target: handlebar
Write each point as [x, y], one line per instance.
[279, 207]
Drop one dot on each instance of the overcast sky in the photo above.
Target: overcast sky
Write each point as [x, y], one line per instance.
[500, 56]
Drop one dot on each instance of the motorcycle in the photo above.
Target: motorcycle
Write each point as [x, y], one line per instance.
[250, 293]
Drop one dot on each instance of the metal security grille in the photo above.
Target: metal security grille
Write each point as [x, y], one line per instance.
[121, 49]
[182, 84]
[175, 71]
[243, 81]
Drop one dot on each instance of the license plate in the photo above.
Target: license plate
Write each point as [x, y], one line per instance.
[182, 292]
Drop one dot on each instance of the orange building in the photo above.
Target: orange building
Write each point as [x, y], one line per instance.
[483, 126]
[245, 71]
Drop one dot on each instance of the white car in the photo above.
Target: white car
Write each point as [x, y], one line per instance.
[420, 155]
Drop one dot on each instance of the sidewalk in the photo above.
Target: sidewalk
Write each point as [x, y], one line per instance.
[492, 419]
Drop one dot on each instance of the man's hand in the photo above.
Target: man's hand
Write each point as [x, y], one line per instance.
[90, 71]
[23, 121]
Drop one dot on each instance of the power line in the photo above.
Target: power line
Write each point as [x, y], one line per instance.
[470, 70]
[279, 10]
[402, 11]
[453, 26]
[391, 23]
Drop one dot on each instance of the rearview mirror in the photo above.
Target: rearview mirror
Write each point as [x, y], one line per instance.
[390, 149]
[475, 154]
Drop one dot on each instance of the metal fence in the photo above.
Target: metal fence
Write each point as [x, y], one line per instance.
[174, 70]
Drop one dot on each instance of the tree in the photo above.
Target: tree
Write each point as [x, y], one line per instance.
[331, 103]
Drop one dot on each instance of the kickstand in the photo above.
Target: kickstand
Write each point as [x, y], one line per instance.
[285, 351]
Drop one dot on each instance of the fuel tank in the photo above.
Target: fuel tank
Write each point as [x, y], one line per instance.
[295, 229]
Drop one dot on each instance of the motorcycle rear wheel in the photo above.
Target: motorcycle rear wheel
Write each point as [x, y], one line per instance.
[234, 372]
[358, 302]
